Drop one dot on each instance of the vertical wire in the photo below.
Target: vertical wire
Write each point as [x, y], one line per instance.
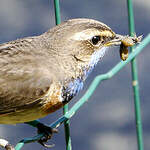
[135, 83]
[65, 108]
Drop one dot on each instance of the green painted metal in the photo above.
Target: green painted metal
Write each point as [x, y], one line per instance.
[135, 83]
[57, 12]
[67, 129]
[88, 93]
[65, 108]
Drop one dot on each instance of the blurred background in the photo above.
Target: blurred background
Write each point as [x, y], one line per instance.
[106, 121]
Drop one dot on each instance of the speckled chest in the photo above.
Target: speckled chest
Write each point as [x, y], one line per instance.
[59, 94]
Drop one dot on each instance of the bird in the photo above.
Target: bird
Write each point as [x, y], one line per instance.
[40, 74]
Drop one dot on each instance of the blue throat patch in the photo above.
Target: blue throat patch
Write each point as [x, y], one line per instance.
[96, 56]
[76, 85]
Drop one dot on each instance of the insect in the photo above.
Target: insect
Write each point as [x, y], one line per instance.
[127, 42]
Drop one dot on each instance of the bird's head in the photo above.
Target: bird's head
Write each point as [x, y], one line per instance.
[84, 41]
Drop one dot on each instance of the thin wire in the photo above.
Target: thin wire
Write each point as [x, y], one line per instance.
[65, 108]
[135, 83]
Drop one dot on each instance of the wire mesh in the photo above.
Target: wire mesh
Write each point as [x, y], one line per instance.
[97, 80]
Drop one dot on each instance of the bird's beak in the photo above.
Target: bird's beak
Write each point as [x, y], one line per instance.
[115, 41]
[125, 40]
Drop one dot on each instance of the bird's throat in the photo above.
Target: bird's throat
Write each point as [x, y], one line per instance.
[74, 86]
[95, 58]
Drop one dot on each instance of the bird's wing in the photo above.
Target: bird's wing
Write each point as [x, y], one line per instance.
[24, 78]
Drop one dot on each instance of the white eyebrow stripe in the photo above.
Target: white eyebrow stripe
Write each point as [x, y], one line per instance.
[89, 33]
[86, 34]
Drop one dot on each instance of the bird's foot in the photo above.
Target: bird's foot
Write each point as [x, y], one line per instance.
[9, 147]
[48, 132]
[5, 144]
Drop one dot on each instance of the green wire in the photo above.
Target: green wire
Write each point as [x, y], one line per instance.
[65, 108]
[57, 12]
[135, 83]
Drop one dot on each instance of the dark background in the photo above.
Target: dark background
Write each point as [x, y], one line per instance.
[107, 121]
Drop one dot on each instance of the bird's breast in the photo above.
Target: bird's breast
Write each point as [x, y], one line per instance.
[62, 94]
[53, 100]
[72, 88]
[59, 95]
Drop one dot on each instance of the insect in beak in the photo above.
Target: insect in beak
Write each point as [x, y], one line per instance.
[124, 42]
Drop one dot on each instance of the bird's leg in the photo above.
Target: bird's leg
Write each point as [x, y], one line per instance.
[48, 132]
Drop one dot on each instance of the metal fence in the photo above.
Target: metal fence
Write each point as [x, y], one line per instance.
[98, 79]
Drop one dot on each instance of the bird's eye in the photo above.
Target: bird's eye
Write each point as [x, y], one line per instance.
[95, 40]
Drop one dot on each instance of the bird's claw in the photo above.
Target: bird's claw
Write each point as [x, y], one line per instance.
[42, 142]
[48, 132]
[9, 147]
